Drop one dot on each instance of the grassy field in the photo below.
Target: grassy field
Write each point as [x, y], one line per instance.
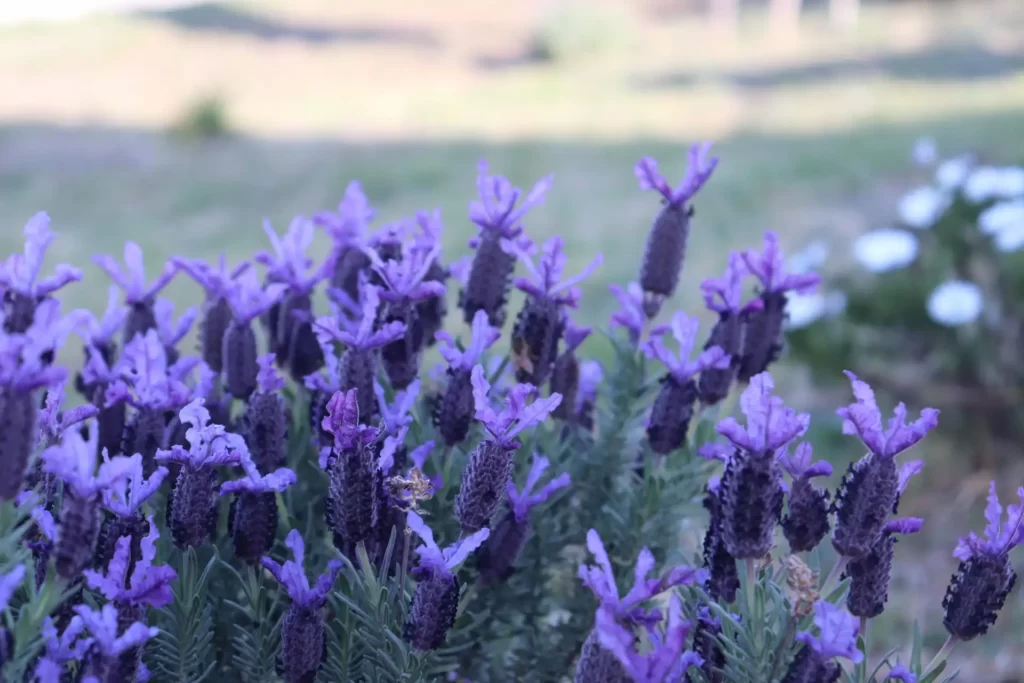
[814, 134]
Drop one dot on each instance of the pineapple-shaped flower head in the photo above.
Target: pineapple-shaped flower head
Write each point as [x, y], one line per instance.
[105, 663]
[984, 578]
[806, 521]
[673, 407]
[871, 486]
[303, 638]
[869, 575]
[490, 464]
[499, 220]
[724, 295]
[497, 557]
[216, 281]
[666, 242]
[723, 579]
[453, 413]
[815, 662]
[252, 517]
[762, 334]
[139, 295]
[248, 299]
[265, 419]
[436, 600]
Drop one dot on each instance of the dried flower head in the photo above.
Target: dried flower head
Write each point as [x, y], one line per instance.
[802, 584]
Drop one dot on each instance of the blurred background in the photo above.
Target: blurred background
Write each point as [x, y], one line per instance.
[881, 138]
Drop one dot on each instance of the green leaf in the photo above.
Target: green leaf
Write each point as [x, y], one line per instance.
[183, 651]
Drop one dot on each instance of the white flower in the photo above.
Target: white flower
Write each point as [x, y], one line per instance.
[810, 258]
[990, 182]
[1010, 238]
[886, 249]
[1001, 216]
[955, 303]
[804, 309]
[952, 173]
[923, 206]
[925, 152]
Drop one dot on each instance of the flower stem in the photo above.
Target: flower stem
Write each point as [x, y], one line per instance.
[941, 655]
[833, 575]
[405, 559]
[751, 583]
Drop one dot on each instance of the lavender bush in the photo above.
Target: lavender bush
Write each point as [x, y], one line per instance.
[482, 529]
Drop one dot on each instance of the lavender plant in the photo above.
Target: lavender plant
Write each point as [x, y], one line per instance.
[631, 473]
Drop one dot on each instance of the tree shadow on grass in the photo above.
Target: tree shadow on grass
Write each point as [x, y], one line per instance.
[215, 17]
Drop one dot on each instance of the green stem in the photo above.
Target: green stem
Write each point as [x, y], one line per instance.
[405, 560]
[833, 575]
[862, 668]
[940, 656]
[751, 586]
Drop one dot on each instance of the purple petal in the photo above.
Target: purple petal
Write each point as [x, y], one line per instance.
[716, 451]
[907, 471]
[901, 673]
[533, 414]
[430, 554]
[902, 437]
[9, 582]
[905, 525]
[698, 172]
[648, 177]
[460, 551]
[484, 412]
[863, 417]
[268, 378]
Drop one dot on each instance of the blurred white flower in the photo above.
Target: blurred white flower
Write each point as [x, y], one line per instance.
[952, 173]
[811, 257]
[923, 206]
[991, 182]
[955, 303]
[1001, 216]
[925, 152]
[804, 309]
[886, 249]
[1010, 238]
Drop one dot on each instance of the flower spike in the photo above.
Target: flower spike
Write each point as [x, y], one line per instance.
[546, 277]
[770, 424]
[495, 210]
[697, 174]
[684, 330]
[482, 337]
[292, 575]
[20, 272]
[132, 278]
[864, 419]
[518, 416]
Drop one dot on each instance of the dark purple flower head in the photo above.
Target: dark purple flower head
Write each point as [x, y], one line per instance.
[53, 422]
[103, 625]
[249, 298]
[289, 263]
[838, 633]
[209, 445]
[434, 560]
[254, 482]
[20, 272]
[546, 276]
[665, 662]
[361, 334]
[342, 422]
[769, 267]
[999, 538]
[521, 502]
[348, 225]
[404, 278]
[725, 294]
[292, 575]
[74, 463]
[496, 210]
[698, 172]
[268, 379]
[101, 332]
[601, 580]
[146, 379]
[630, 315]
[684, 330]
[9, 583]
[770, 424]
[125, 496]
[517, 416]
[864, 419]
[482, 337]
[149, 585]
[216, 281]
[799, 465]
[169, 331]
[61, 648]
[132, 279]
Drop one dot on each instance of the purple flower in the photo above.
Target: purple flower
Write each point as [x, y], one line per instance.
[684, 329]
[61, 649]
[770, 424]
[147, 381]
[404, 278]
[9, 583]
[806, 522]
[521, 502]
[254, 482]
[102, 625]
[249, 298]
[725, 294]
[216, 281]
[349, 224]
[20, 272]
[769, 267]
[864, 419]
[132, 279]
[630, 315]
[434, 560]
[289, 263]
[496, 210]
[601, 580]
[591, 376]
[149, 585]
[125, 496]
[169, 331]
[74, 463]
[697, 173]
[292, 575]
[395, 420]
[999, 538]
[799, 465]
[269, 380]
[901, 673]
[53, 422]
[837, 633]
[575, 335]
[360, 335]
[209, 445]
[99, 333]
[342, 421]
[869, 585]
[517, 416]
[546, 277]
[482, 337]
[665, 662]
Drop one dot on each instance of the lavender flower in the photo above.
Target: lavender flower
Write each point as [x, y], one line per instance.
[98, 337]
[984, 578]
[106, 662]
[436, 600]
[806, 522]
[565, 375]
[666, 662]
[591, 376]
[9, 583]
[869, 586]
[870, 487]
[431, 312]
[598, 665]
[347, 228]
[404, 289]
[751, 489]
[53, 422]
[666, 242]
[144, 585]
[723, 579]
[495, 213]
[303, 639]
[74, 463]
[42, 538]
[901, 673]
[248, 300]
[706, 645]
[673, 407]
[216, 313]
[838, 638]
[724, 295]
[630, 316]
[124, 500]
[252, 518]
[395, 420]
[763, 327]
[454, 412]
[490, 464]
[132, 280]
[192, 506]
[20, 284]
[497, 557]
[170, 331]
[61, 649]
[265, 420]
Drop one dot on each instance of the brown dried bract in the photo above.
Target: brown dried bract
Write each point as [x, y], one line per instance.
[803, 585]
[413, 490]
